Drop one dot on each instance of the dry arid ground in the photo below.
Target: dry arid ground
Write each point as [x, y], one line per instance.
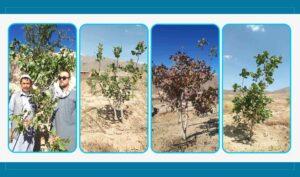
[100, 133]
[271, 136]
[202, 132]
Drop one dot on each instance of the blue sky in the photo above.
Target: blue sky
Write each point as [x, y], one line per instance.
[17, 31]
[125, 35]
[242, 42]
[168, 39]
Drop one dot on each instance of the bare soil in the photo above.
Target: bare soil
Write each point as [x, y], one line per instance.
[271, 136]
[202, 132]
[101, 133]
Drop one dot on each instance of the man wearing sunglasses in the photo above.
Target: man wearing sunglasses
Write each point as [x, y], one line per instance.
[65, 114]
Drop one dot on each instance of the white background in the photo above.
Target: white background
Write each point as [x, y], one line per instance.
[149, 20]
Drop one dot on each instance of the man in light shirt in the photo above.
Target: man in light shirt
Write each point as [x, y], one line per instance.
[20, 105]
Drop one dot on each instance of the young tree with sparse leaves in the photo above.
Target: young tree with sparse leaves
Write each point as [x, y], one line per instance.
[251, 102]
[117, 87]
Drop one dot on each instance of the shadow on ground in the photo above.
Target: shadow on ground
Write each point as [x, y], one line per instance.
[238, 132]
[107, 113]
[210, 127]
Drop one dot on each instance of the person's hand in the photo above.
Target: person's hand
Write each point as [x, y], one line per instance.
[26, 122]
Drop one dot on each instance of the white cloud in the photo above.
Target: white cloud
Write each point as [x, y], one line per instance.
[256, 28]
[227, 57]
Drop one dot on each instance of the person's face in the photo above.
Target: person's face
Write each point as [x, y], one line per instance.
[25, 85]
[64, 79]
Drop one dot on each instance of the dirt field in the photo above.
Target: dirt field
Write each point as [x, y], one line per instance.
[99, 133]
[202, 132]
[271, 136]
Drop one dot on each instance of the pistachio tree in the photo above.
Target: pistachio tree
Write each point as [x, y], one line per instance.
[37, 57]
[118, 81]
[184, 85]
[251, 102]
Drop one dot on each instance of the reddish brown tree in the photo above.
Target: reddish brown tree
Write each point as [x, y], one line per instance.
[184, 85]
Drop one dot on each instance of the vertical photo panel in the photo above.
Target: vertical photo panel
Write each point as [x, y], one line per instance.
[185, 89]
[42, 88]
[113, 87]
[256, 88]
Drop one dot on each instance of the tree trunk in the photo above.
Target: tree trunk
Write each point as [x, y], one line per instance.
[185, 123]
[122, 114]
[251, 131]
[115, 113]
[179, 118]
[136, 64]
[183, 127]
[251, 134]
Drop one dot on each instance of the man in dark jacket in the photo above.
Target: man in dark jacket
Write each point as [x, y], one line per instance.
[65, 113]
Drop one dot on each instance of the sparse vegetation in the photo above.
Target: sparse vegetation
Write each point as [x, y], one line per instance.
[114, 86]
[250, 103]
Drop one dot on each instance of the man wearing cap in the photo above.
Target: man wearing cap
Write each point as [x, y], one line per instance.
[20, 105]
[65, 114]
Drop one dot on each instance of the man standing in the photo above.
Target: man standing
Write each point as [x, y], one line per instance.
[65, 114]
[20, 105]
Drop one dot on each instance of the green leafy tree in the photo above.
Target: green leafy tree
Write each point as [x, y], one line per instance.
[117, 83]
[117, 52]
[100, 57]
[37, 57]
[139, 49]
[251, 102]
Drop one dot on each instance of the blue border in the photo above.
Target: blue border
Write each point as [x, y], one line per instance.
[254, 152]
[151, 169]
[219, 88]
[147, 75]
[8, 70]
[151, 7]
